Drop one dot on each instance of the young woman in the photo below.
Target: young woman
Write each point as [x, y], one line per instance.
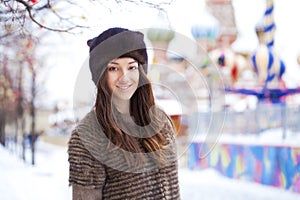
[125, 147]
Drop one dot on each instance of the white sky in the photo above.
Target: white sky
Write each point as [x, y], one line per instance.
[71, 51]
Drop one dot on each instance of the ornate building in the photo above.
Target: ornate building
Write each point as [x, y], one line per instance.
[223, 11]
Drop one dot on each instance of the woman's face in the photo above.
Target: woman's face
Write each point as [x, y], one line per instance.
[123, 77]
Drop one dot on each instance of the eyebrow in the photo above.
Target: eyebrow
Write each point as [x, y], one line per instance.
[116, 63]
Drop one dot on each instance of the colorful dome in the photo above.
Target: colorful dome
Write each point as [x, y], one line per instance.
[207, 27]
[160, 34]
[161, 30]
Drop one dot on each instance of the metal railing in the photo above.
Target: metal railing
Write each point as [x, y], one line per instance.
[264, 117]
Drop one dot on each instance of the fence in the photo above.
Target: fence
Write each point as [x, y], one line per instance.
[265, 116]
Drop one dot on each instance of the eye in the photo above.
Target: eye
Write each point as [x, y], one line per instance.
[112, 68]
[133, 67]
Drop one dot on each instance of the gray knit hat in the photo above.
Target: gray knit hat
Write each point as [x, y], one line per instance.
[115, 43]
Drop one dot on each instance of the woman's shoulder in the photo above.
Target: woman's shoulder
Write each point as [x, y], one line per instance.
[88, 129]
[85, 130]
[162, 115]
[88, 121]
[167, 125]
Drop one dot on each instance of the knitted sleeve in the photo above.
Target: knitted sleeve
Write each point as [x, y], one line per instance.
[84, 169]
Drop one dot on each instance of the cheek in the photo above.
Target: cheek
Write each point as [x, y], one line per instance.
[111, 80]
[136, 77]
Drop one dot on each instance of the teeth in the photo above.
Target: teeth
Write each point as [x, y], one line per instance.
[123, 87]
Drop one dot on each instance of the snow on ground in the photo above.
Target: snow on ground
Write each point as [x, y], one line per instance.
[48, 179]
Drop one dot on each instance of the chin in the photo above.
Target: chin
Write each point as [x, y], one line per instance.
[123, 97]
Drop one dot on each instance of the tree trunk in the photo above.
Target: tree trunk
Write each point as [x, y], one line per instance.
[33, 134]
[2, 129]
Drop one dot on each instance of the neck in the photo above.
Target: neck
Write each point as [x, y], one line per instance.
[122, 105]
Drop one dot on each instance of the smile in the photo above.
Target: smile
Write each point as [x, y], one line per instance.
[123, 87]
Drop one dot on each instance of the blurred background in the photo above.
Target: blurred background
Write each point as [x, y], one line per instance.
[231, 86]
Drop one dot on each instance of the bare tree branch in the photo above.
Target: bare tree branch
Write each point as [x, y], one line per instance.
[29, 10]
[15, 13]
[159, 5]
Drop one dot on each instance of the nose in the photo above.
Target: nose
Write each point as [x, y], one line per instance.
[124, 76]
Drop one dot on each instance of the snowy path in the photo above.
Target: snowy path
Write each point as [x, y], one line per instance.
[49, 180]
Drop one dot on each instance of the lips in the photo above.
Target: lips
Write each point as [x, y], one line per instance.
[124, 88]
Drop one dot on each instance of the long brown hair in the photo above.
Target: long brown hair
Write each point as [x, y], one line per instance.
[141, 104]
